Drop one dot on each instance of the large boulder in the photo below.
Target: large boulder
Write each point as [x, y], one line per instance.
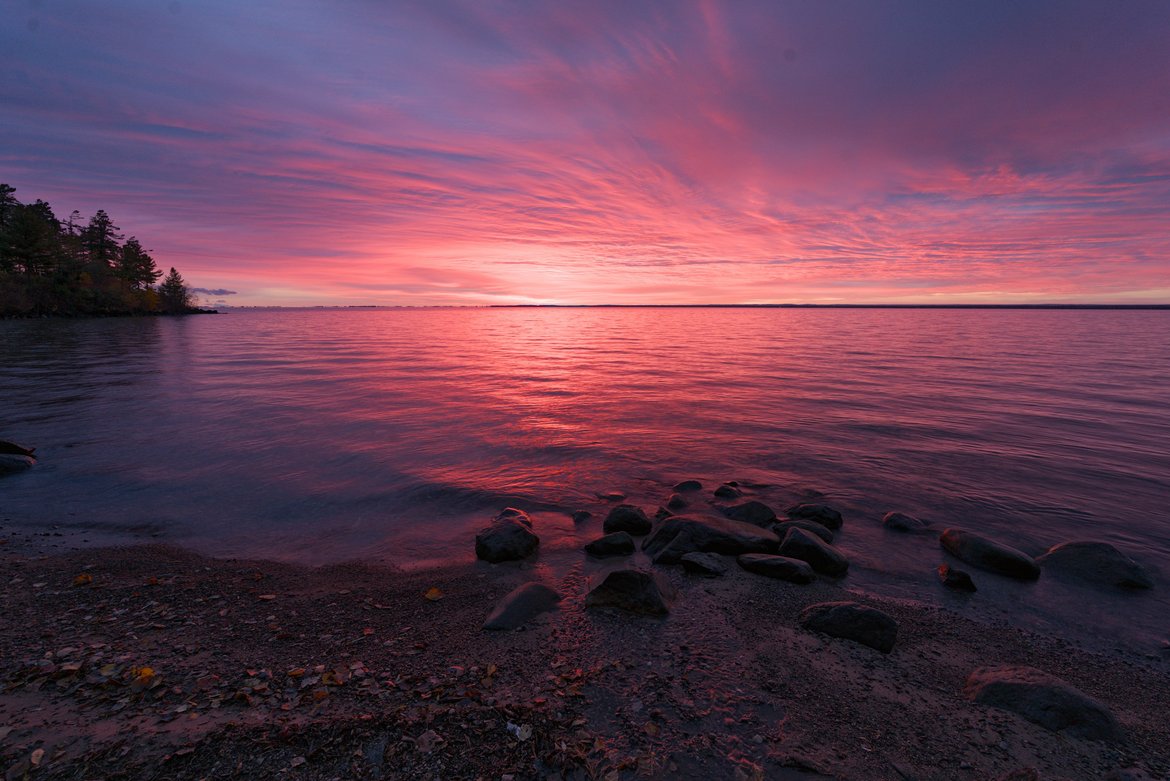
[627, 518]
[521, 605]
[616, 544]
[824, 558]
[988, 554]
[821, 513]
[509, 537]
[809, 526]
[688, 485]
[779, 567]
[851, 621]
[1096, 562]
[708, 565]
[682, 534]
[632, 589]
[901, 522]
[1043, 699]
[751, 511]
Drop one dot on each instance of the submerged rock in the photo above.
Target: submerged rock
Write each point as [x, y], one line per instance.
[616, 544]
[751, 511]
[852, 621]
[901, 522]
[682, 534]
[521, 605]
[779, 567]
[631, 589]
[581, 516]
[824, 558]
[988, 554]
[627, 518]
[1096, 562]
[956, 578]
[611, 496]
[688, 485]
[709, 565]
[1042, 699]
[509, 537]
[676, 502]
[821, 513]
[728, 491]
[809, 526]
[12, 462]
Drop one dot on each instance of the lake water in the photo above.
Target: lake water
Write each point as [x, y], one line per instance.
[326, 435]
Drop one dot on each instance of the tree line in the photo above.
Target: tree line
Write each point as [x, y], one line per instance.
[64, 267]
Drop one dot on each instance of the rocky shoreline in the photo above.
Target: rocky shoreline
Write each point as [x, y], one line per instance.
[153, 662]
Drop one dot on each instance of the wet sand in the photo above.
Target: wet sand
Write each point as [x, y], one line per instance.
[153, 662]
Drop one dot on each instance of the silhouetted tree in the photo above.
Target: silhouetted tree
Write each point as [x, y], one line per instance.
[173, 294]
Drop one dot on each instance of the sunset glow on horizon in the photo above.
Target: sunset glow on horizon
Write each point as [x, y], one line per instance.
[438, 153]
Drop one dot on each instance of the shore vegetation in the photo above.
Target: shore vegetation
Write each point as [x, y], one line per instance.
[70, 267]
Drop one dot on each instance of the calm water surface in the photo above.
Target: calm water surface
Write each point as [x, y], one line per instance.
[320, 436]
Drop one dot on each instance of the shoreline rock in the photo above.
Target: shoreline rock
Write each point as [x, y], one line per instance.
[778, 567]
[807, 547]
[509, 537]
[823, 514]
[1042, 699]
[1098, 563]
[631, 589]
[988, 554]
[627, 518]
[521, 605]
[680, 534]
[852, 621]
[615, 544]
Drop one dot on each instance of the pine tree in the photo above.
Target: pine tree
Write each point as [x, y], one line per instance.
[173, 294]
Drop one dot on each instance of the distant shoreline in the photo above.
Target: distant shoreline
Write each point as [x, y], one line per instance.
[1163, 307]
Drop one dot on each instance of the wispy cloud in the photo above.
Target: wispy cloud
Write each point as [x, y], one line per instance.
[448, 152]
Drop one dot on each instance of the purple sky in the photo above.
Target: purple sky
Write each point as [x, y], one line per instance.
[360, 152]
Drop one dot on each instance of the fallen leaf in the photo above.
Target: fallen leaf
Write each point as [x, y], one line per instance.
[267, 597]
[433, 594]
[37, 756]
[84, 579]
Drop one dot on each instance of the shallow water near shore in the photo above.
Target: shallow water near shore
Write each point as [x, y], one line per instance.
[322, 435]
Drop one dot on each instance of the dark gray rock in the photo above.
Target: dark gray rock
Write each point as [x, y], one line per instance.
[779, 567]
[661, 513]
[1043, 699]
[512, 512]
[728, 491]
[14, 462]
[611, 496]
[521, 605]
[985, 553]
[821, 513]
[709, 565]
[506, 539]
[751, 511]
[681, 534]
[901, 522]
[1098, 563]
[851, 621]
[825, 559]
[809, 526]
[956, 578]
[632, 589]
[580, 516]
[12, 449]
[689, 485]
[627, 518]
[675, 502]
[616, 544]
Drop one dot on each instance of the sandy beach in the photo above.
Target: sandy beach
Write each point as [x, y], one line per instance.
[153, 662]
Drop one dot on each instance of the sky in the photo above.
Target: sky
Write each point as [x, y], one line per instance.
[353, 152]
